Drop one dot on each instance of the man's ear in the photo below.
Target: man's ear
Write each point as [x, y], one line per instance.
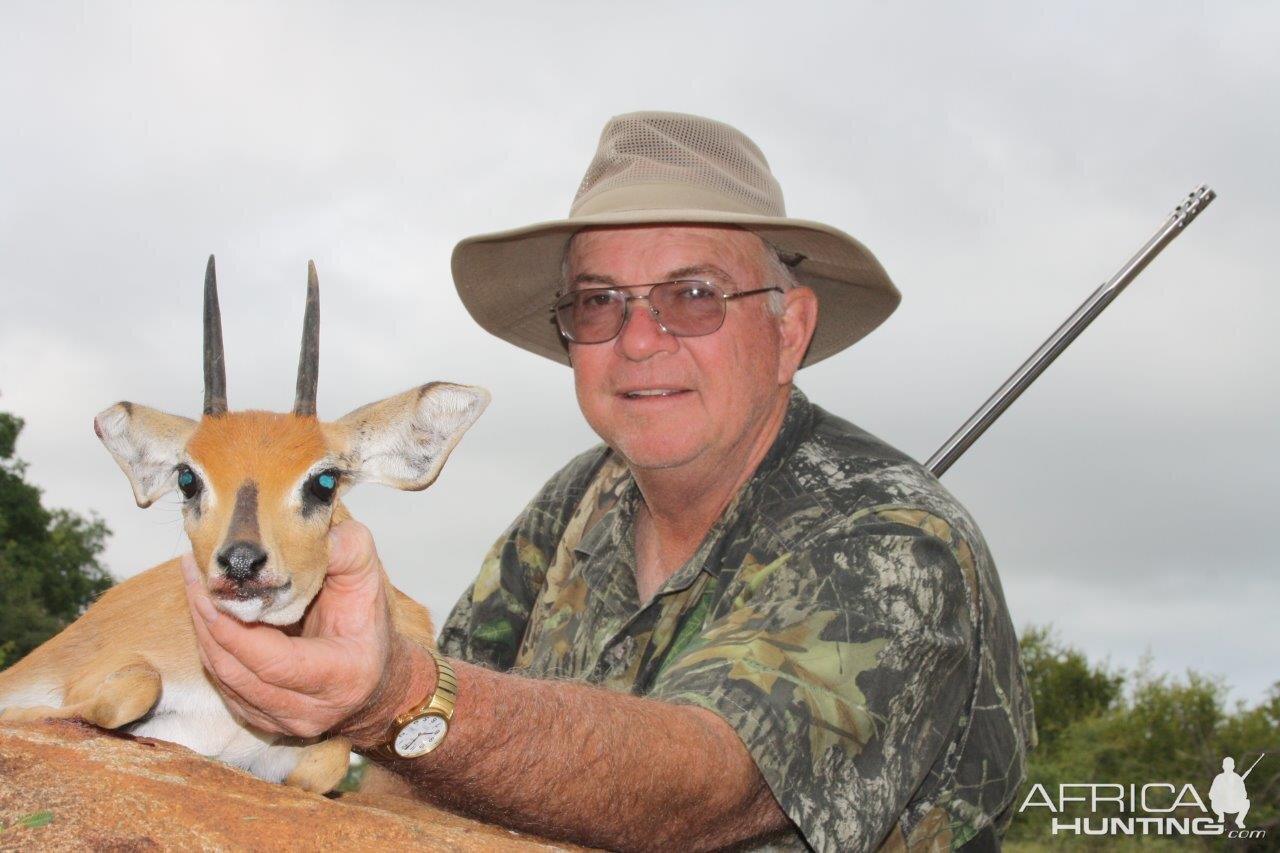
[796, 327]
[146, 444]
[403, 441]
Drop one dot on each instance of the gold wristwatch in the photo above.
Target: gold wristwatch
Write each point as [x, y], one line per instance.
[422, 728]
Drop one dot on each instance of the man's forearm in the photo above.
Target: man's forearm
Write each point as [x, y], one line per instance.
[567, 760]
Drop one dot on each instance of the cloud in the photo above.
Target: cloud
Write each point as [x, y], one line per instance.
[1000, 161]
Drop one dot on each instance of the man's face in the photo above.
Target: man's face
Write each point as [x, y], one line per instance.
[664, 401]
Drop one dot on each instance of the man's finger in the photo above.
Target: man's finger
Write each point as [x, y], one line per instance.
[353, 602]
[236, 684]
[267, 673]
[264, 649]
[190, 571]
[352, 553]
[222, 665]
[262, 653]
[260, 647]
[203, 641]
[196, 595]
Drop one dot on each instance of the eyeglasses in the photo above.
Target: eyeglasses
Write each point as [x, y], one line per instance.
[686, 308]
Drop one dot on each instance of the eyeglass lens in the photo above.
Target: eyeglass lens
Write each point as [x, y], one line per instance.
[684, 308]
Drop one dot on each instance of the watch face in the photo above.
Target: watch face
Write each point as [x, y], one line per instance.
[421, 735]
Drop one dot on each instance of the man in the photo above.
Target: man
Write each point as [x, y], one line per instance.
[740, 619]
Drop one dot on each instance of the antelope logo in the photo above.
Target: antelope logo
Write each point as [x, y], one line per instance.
[260, 491]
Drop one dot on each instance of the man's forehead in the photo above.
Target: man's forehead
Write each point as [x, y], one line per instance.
[663, 249]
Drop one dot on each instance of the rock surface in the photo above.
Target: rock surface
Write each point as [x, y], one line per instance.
[82, 788]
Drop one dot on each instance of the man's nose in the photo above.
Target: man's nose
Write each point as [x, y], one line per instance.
[642, 334]
[241, 561]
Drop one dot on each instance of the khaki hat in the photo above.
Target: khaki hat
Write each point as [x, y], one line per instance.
[655, 167]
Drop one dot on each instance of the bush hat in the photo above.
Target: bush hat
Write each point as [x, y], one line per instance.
[657, 167]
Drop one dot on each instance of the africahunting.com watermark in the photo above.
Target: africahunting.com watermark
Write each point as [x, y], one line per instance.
[1156, 808]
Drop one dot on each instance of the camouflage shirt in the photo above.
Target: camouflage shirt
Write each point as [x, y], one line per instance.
[844, 616]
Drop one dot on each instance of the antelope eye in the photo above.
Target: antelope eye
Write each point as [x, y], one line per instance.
[323, 486]
[188, 483]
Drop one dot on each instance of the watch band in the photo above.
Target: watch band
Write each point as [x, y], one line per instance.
[440, 703]
[442, 700]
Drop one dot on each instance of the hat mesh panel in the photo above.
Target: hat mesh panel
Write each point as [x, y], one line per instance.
[660, 148]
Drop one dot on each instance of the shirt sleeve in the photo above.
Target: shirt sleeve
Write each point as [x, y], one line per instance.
[845, 668]
[487, 624]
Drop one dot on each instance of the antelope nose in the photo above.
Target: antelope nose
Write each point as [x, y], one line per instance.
[241, 561]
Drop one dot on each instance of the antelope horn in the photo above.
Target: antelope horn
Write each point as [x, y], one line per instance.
[215, 370]
[309, 361]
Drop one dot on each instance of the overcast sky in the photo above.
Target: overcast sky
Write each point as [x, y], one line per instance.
[999, 160]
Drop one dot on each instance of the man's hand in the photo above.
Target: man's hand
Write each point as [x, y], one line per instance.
[549, 757]
[334, 674]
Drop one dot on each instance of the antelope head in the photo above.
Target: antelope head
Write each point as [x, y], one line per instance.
[260, 490]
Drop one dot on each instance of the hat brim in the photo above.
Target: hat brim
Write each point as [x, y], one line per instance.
[507, 279]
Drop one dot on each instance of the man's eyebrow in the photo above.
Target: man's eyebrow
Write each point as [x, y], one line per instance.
[699, 269]
[682, 272]
[593, 278]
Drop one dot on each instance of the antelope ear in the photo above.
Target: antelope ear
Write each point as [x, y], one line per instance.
[146, 444]
[403, 441]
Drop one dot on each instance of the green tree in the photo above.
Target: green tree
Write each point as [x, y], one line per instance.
[50, 568]
[1064, 685]
[1101, 726]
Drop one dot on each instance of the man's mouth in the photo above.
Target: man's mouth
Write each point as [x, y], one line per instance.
[646, 393]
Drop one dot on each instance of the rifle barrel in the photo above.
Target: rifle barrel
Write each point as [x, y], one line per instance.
[1004, 396]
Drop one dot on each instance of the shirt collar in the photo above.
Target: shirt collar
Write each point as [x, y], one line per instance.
[610, 538]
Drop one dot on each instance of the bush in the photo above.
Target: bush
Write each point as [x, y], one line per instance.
[49, 559]
[1102, 726]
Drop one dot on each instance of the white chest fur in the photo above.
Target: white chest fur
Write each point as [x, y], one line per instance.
[193, 714]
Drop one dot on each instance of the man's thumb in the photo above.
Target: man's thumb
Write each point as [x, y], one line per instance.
[351, 550]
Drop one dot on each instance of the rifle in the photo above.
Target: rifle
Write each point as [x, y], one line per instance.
[1182, 216]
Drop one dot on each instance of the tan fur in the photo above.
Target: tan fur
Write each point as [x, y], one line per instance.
[131, 659]
[275, 451]
[322, 766]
